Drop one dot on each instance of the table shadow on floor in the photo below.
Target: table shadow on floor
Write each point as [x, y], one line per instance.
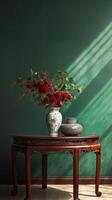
[37, 193]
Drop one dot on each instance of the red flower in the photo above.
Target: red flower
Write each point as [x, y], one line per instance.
[29, 85]
[36, 84]
[52, 100]
[70, 97]
[60, 103]
[67, 96]
[58, 95]
[44, 88]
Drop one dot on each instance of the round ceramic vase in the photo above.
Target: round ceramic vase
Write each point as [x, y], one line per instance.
[71, 127]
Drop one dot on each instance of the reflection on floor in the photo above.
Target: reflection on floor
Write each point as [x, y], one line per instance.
[57, 192]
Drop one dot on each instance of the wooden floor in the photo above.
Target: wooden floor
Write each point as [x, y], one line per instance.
[57, 192]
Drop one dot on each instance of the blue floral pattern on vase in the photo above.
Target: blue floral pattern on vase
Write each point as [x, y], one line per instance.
[54, 121]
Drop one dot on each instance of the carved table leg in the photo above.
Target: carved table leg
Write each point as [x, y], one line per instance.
[75, 174]
[14, 173]
[28, 174]
[44, 170]
[97, 179]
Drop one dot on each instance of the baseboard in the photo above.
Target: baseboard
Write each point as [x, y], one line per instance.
[69, 180]
[63, 180]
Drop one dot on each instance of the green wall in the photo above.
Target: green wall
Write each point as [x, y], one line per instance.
[75, 35]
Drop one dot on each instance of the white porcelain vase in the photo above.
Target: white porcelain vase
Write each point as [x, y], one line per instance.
[54, 121]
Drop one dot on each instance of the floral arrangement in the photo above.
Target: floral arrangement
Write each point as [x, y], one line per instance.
[54, 91]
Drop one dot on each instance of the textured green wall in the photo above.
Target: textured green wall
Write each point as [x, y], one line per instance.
[57, 34]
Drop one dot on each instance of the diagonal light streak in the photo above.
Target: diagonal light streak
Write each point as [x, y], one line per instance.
[94, 59]
[103, 94]
[102, 113]
[94, 47]
[87, 75]
[97, 56]
[97, 113]
[92, 56]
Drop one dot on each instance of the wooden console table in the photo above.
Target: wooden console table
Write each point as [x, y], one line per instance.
[75, 145]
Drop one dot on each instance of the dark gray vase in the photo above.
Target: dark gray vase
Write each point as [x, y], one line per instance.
[71, 127]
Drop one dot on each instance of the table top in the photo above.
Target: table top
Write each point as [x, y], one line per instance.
[48, 140]
[47, 137]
